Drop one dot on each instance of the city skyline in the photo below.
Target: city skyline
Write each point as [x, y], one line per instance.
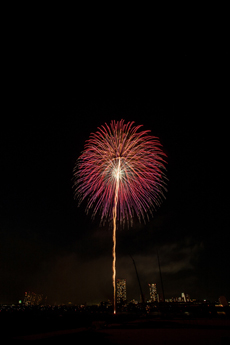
[155, 296]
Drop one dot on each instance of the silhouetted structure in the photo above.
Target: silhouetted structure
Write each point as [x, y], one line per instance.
[142, 296]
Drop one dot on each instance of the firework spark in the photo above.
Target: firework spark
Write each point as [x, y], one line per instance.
[120, 173]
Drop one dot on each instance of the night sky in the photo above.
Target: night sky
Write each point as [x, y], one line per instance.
[58, 90]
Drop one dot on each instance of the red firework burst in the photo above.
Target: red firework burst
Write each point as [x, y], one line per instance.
[121, 165]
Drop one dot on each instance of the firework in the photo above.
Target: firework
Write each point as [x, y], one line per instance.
[120, 173]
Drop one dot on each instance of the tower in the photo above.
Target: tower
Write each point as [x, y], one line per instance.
[153, 292]
[121, 290]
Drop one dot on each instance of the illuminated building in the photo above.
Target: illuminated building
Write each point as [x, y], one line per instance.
[185, 297]
[121, 290]
[153, 292]
[32, 298]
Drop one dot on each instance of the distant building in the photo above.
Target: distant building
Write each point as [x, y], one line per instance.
[185, 297]
[223, 301]
[32, 298]
[121, 291]
[153, 292]
[133, 301]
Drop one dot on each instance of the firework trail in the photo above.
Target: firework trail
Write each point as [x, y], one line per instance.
[120, 173]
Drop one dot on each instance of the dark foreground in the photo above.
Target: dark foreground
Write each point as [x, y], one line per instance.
[71, 325]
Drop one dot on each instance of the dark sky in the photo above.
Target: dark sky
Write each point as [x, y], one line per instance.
[57, 90]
